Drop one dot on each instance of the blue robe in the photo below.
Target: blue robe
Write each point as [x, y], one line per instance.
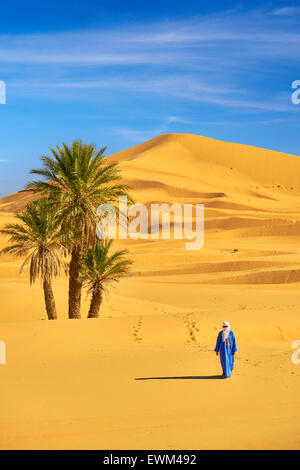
[226, 350]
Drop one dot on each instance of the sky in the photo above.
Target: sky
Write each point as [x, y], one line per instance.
[118, 73]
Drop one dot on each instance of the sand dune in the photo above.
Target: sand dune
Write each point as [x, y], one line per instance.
[74, 384]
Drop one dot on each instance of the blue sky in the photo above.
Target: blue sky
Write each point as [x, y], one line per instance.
[118, 73]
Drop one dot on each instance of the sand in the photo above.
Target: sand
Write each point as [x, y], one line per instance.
[144, 375]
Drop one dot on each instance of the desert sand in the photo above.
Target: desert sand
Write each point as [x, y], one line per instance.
[145, 375]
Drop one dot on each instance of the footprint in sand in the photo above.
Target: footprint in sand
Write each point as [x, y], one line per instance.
[136, 330]
[191, 329]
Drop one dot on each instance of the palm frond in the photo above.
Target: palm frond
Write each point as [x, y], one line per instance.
[40, 238]
[101, 268]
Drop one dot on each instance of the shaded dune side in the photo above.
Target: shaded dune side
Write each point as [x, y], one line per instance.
[203, 268]
[16, 201]
[235, 226]
[267, 230]
[263, 277]
[171, 190]
[231, 223]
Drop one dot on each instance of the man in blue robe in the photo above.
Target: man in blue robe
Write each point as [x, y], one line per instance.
[226, 346]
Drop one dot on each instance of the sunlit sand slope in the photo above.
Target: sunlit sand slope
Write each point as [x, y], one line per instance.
[145, 375]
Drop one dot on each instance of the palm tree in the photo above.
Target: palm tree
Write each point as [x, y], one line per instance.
[100, 269]
[39, 236]
[78, 181]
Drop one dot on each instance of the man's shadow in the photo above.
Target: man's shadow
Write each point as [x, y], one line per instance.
[196, 377]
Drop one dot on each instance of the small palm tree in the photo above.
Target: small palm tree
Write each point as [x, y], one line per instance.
[40, 238]
[78, 180]
[100, 269]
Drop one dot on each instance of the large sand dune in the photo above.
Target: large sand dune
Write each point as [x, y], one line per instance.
[73, 384]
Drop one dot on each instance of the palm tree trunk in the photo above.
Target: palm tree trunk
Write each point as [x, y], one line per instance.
[95, 303]
[75, 283]
[49, 300]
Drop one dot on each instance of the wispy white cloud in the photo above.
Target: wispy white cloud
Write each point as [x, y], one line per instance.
[207, 59]
[134, 135]
[138, 135]
[177, 119]
[185, 87]
[156, 43]
[286, 11]
[170, 84]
